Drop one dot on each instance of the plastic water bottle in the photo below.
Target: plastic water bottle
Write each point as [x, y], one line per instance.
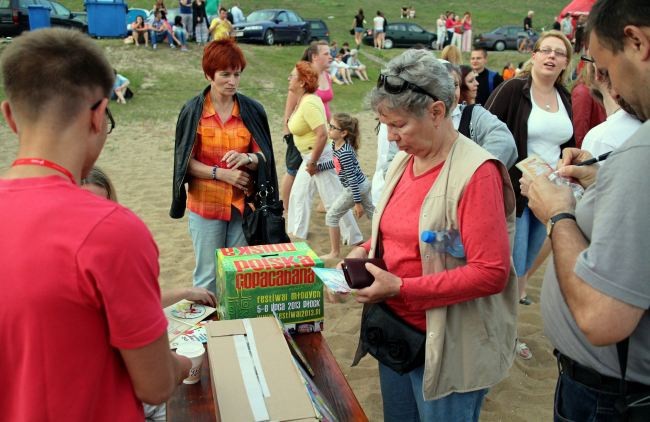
[435, 239]
[454, 245]
[444, 242]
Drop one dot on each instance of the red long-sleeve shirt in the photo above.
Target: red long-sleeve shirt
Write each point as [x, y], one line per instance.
[482, 224]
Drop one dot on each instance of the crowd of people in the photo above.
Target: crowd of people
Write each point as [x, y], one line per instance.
[459, 227]
[198, 20]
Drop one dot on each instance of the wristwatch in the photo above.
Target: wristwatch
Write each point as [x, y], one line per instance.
[561, 216]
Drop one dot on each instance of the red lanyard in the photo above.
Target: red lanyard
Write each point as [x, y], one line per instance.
[44, 163]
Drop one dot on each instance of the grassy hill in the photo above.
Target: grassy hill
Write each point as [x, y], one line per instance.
[163, 80]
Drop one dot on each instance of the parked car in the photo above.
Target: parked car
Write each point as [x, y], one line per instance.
[319, 30]
[14, 16]
[272, 26]
[404, 35]
[502, 38]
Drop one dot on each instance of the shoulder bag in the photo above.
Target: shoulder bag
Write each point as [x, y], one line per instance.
[263, 223]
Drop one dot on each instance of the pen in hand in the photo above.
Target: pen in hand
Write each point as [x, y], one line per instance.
[594, 160]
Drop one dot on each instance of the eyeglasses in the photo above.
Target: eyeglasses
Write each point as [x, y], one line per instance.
[548, 50]
[397, 85]
[108, 114]
[602, 74]
[332, 127]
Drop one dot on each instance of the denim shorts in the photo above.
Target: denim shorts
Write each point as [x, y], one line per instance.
[292, 172]
[530, 234]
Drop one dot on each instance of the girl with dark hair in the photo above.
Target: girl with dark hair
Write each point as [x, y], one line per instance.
[468, 85]
[358, 26]
[200, 22]
[344, 133]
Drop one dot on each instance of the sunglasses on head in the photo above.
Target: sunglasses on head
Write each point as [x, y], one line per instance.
[397, 85]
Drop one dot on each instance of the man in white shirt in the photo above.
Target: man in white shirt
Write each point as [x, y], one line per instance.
[237, 14]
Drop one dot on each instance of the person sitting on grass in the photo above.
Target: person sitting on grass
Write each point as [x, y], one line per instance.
[356, 66]
[140, 31]
[159, 31]
[120, 86]
[340, 70]
[180, 33]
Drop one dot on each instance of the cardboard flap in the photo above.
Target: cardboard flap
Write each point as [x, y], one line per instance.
[288, 400]
[225, 328]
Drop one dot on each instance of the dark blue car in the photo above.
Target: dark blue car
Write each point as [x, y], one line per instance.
[272, 26]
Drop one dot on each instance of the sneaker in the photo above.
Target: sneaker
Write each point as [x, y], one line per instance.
[523, 351]
[183, 48]
[172, 46]
[155, 46]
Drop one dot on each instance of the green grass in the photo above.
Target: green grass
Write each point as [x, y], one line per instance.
[164, 79]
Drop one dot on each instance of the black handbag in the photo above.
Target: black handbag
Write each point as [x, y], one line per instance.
[391, 340]
[263, 223]
[293, 158]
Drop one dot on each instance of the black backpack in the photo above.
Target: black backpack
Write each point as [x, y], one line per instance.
[465, 121]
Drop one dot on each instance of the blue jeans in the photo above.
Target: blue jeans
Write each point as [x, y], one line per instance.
[157, 37]
[182, 37]
[529, 238]
[403, 400]
[576, 402]
[207, 236]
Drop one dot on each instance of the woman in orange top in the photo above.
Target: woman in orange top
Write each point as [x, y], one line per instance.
[217, 133]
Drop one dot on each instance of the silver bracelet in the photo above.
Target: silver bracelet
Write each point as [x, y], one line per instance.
[250, 160]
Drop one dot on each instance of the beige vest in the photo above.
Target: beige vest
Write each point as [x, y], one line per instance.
[470, 345]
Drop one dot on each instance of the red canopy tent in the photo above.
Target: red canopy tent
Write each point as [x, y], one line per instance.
[577, 7]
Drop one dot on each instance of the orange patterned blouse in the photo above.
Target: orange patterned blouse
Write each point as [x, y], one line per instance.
[213, 198]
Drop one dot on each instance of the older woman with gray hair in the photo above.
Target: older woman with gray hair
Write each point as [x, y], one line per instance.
[441, 318]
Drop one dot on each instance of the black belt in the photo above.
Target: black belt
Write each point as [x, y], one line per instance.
[593, 379]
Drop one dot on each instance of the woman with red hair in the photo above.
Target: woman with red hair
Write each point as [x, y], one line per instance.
[217, 134]
[308, 125]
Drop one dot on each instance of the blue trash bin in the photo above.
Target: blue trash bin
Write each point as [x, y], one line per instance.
[39, 16]
[106, 18]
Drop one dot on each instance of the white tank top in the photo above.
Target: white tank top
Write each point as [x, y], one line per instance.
[548, 130]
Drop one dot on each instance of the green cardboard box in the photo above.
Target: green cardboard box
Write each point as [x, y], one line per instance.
[254, 281]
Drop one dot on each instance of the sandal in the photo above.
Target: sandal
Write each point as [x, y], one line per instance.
[523, 351]
[525, 301]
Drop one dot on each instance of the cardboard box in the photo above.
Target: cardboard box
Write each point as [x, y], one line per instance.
[258, 374]
[255, 281]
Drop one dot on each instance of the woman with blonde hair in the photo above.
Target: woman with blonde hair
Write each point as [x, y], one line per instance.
[452, 54]
[537, 109]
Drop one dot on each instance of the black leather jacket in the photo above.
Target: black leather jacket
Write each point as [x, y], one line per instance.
[254, 118]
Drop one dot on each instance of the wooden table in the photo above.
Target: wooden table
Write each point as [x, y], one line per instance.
[194, 403]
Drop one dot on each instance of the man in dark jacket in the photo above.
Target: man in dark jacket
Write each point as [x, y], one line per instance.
[487, 79]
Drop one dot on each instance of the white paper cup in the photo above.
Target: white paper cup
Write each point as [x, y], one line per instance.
[194, 351]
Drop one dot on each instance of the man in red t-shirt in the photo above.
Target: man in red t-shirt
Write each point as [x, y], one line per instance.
[83, 334]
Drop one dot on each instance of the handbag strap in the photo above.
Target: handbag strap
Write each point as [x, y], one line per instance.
[265, 189]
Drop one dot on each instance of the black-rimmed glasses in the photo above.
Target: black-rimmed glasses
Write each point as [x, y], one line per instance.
[587, 59]
[397, 85]
[332, 127]
[108, 114]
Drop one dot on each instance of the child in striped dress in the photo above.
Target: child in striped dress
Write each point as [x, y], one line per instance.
[344, 134]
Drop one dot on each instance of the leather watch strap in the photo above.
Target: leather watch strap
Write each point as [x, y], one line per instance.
[553, 220]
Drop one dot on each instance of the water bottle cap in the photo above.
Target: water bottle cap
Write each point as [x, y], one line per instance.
[428, 236]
